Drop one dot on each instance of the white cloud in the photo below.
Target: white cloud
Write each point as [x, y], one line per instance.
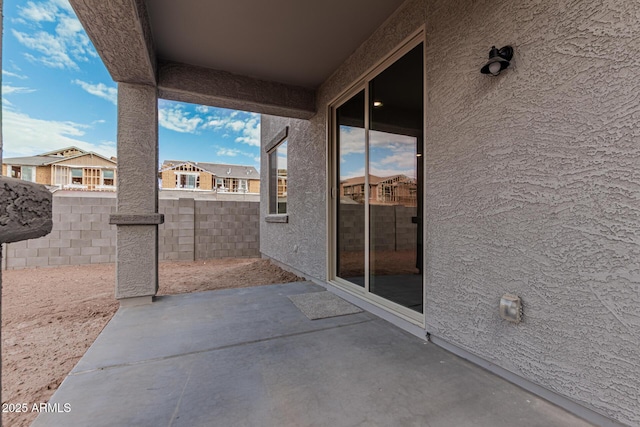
[215, 123]
[400, 160]
[51, 47]
[250, 132]
[245, 127]
[10, 74]
[249, 129]
[100, 90]
[391, 141]
[351, 140]
[63, 48]
[252, 156]
[176, 119]
[231, 152]
[7, 89]
[235, 125]
[38, 12]
[26, 136]
[389, 154]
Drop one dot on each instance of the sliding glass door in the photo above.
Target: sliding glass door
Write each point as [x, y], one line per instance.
[378, 134]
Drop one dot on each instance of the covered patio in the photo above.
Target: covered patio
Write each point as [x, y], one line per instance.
[250, 357]
[523, 187]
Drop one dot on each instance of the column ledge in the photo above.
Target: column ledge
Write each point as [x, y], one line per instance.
[136, 219]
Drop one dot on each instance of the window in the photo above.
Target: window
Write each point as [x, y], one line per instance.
[220, 184]
[189, 181]
[233, 185]
[108, 177]
[76, 176]
[278, 179]
[61, 176]
[28, 173]
[276, 151]
[16, 172]
[91, 177]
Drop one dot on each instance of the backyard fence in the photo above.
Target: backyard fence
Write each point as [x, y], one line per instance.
[392, 226]
[193, 230]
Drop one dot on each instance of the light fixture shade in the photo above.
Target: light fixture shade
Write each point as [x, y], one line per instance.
[498, 60]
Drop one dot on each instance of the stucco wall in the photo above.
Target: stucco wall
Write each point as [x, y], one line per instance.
[532, 187]
[300, 242]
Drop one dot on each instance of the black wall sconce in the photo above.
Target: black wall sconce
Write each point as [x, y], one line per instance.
[498, 60]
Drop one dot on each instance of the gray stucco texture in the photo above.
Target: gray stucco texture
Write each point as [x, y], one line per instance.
[25, 210]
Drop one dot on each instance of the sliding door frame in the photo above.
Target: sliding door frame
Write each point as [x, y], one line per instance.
[363, 84]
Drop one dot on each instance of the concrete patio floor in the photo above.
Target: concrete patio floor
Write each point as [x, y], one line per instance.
[249, 357]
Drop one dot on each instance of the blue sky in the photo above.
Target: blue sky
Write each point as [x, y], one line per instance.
[56, 93]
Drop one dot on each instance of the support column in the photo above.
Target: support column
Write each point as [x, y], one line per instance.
[137, 216]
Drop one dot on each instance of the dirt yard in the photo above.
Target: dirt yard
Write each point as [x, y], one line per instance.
[50, 317]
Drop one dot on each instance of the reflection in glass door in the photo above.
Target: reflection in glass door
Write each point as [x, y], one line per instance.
[350, 146]
[379, 174]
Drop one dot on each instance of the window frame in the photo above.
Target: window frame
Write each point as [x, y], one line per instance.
[30, 176]
[274, 214]
[111, 178]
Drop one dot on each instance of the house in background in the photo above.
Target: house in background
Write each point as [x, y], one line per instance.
[223, 178]
[390, 190]
[68, 169]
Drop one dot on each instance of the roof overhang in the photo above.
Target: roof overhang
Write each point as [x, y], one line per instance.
[266, 57]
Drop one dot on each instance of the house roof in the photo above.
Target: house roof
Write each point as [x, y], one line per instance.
[220, 170]
[373, 180]
[27, 161]
[61, 151]
[51, 157]
[360, 180]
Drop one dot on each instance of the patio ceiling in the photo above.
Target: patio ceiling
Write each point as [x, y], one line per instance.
[196, 49]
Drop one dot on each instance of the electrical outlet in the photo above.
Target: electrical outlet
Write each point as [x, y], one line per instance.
[511, 308]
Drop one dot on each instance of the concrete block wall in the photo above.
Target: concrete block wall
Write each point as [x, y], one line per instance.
[176, 237]
[406, 232]
[227, 229]
[351, 219]
[193, 230]
[392, 227]
[81, 234]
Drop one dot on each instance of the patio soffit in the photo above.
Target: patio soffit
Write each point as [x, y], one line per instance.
[290, 44]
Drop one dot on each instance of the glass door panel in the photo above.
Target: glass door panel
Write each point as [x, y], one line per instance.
[378, 175]
[395, 177]
[350, 170]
